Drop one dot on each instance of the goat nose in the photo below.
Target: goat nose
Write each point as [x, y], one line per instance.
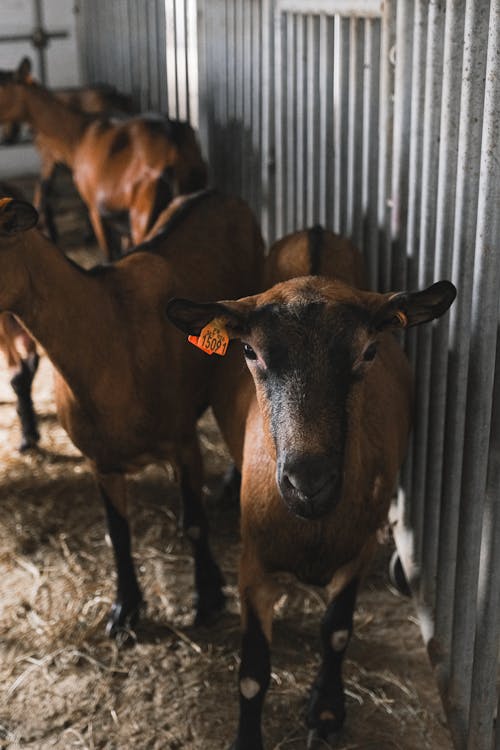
[309, 474]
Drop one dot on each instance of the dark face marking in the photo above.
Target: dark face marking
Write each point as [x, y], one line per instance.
[305, 360]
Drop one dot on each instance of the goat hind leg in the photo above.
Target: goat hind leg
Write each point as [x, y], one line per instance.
[21, 382]
[128, 602]
[210, 598]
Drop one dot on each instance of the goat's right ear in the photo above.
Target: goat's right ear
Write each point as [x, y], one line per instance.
[16, 216]
[191, 317]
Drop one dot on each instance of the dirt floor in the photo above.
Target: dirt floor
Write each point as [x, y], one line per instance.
[63, 684]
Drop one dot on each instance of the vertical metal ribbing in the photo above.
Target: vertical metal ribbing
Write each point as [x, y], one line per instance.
[227, 123]
[171, 61]
[191, 61]
[117, 21]
[393, 244]
[153, 56]
[241, 148]
[487, 641]
[417, 96]
[143, 62]
[356, 115]
[180, 54]
[325, 146]
[289, 73]
[282, 127]
[298, 220]
[341, 104]
[395, 271]
[385, 147]
[445, 220]
[218, 88]
[484, 325]
[247, 154]
[203, 76]
[161, 41]
[254, 87]
[268, 92]
[370, 152]
[425, 516]
[312, 115]
[469, 435]
[135, 50]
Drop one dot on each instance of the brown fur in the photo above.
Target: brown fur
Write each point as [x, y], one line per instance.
[335, 544]
[16, 344]
[129, 180]
[128, 390]
[289, 257]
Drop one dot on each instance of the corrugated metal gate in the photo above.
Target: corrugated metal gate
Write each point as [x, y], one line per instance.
[383, 122]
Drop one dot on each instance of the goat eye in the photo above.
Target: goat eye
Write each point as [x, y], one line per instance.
[370, 352]
[249, 352]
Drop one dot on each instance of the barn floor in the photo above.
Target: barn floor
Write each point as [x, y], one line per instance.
[64, 685]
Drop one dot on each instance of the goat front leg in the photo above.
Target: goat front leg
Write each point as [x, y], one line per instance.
[126, 608]
[326, 711]
[257, 596]
[106, 238]
[210, 598]
[21, 382]
[43, 194]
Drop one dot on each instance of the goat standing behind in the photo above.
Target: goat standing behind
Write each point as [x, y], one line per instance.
[125, 171]
[21, 356]
[127, 390]
[319, 427]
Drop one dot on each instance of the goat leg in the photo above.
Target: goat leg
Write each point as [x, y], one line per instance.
[326, 710]
[209, 597]
[21, 383]
[257, 595]
[126, 608]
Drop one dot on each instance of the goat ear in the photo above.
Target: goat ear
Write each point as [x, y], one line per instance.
[406, 309]
[191, 317]
[16, 216]
[23, 72]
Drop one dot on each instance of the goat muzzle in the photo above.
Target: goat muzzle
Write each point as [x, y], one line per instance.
[309, 484]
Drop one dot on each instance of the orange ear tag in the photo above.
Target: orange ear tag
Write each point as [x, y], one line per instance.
[4, 201]
[213, 338]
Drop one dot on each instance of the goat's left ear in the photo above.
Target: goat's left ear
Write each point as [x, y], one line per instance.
[16, 216]
[191, 317]
[406, 309]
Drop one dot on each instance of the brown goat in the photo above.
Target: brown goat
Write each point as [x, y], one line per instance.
[20, 352]
[128, 391]
[124, 171]
[319, 427]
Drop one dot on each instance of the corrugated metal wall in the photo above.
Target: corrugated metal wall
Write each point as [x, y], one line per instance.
[382, 122]
[124, 44]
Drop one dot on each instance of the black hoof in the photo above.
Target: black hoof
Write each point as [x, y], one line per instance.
[123, 618]
[319, 739]
[247, 744]
[28, 442]
[209, 606]
[325, 717]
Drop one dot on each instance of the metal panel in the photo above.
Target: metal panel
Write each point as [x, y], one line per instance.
[123, 44]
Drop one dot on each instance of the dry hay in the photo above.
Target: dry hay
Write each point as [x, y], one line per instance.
[65, 685]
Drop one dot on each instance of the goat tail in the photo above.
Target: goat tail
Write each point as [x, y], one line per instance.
[315, 244]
